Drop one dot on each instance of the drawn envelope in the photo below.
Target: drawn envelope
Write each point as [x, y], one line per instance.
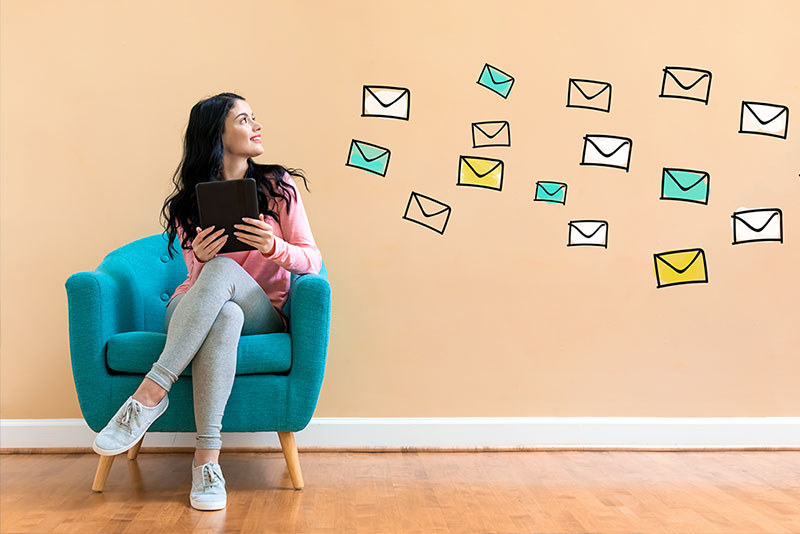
[589, 94]
[607, 151]
[685, 185]
[552, 192]
[386, 101]
[764, 119]
[480, 172]
[368, 157]
[764, 224]
[588, 233]
[427, 211]
[687, 266]
[686, 83]
[491, 133]
[496, 80]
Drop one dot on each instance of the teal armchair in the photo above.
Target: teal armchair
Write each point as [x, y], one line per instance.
[116, 332]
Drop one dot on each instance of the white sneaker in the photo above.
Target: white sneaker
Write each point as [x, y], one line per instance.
[127, 426]
[208, 487]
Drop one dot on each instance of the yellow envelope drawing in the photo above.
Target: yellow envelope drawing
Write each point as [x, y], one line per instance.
[589, 94]
[386, 101]
[686, 266]
[491, 133]
[480, 172]
[686, 83]
[764, 119]
[427, 212]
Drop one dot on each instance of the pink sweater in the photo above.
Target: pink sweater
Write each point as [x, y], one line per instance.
[295, 252]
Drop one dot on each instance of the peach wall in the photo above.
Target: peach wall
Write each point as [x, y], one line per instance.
[497, 317]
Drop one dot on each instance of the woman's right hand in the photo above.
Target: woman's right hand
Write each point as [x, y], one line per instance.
[206, 245]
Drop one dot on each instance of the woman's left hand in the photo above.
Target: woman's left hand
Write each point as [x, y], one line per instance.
[257, 234]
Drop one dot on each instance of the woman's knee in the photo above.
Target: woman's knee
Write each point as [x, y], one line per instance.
[230, 315]
[217, 271]
[220, 263]
[223, 336]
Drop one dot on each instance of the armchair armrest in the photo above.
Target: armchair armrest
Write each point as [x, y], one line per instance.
[309, 325]
[95, 314]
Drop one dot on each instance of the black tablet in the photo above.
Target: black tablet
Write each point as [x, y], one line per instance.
[223, 204]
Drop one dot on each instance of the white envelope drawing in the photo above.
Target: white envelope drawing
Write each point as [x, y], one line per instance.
[386, 101]
[607, 151]
[491, 133]
[589, 94]
[764, 224]
[427, 212]
[686, 83]
[589, 233]
[764, 119]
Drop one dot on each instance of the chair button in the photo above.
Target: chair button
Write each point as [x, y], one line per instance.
[164, 258]
[164, 297]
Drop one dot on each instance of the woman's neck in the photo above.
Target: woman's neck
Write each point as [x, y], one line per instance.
[233, 169]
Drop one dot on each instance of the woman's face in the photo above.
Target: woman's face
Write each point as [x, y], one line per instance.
[242, 136]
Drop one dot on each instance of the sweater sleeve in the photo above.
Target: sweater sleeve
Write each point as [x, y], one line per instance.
[193, 265]
[296, 251]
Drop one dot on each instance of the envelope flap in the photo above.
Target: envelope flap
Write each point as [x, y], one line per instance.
[492, 125]
[681, 178]
[765, 113]
[589, 87]
[756, 220]
[691, 76]
[370, 152]
[587, 227]
[498, 76]
[686, 258]
[550, 188]
[389, 96]
[481, 163]
[428, 206]
[613, 144]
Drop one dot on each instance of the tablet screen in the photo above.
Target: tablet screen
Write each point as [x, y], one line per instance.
[223, 203]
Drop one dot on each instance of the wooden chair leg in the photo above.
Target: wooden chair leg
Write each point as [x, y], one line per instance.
[103, 468]
[292, 460]
[134, 452]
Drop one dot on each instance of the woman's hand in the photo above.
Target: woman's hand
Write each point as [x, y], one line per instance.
[206, 245]
[257, 234]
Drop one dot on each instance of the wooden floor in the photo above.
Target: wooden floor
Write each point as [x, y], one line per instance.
[408, 492]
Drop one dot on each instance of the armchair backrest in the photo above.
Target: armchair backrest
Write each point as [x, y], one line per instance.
[147, 277]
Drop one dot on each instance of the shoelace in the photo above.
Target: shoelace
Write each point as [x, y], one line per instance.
[132, 410]
[210, 476]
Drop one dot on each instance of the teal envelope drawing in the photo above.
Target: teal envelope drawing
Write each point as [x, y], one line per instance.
[685, 185]
[496, 80]
[552, 192]
[368, 157]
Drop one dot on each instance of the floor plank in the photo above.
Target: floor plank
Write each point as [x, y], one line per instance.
[716, 492]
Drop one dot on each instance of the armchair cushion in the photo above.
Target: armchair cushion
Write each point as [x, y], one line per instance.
[135, 352]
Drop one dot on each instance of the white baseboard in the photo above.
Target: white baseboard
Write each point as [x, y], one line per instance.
[457, 433]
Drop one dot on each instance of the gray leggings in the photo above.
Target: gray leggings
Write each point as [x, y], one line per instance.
[203, 327]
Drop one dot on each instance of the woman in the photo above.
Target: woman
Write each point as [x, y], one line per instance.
[224, 295]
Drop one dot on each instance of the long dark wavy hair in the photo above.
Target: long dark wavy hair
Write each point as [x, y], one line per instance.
[202, 162]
